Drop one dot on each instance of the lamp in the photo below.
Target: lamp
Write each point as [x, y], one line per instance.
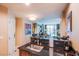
[32, 17]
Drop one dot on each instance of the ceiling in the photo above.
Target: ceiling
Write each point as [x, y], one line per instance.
[40, 9]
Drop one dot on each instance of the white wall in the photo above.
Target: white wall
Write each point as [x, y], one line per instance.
[3, 30]
[75, 25]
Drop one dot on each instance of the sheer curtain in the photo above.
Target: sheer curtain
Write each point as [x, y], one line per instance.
[52, 30]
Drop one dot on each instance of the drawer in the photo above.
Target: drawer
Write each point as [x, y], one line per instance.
[59, 50]
[59, 44]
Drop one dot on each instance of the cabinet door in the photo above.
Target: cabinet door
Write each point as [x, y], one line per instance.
[24, 53]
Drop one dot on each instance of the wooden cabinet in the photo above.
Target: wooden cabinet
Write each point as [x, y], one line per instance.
[44, 42]
[59, 46]
[24, 53]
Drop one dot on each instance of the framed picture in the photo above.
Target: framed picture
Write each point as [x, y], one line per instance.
[27, 29]
[69, 22]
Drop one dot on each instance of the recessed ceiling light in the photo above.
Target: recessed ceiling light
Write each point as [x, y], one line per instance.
[32, 17]
[27, 4]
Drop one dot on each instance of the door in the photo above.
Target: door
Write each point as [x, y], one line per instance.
[11, 36]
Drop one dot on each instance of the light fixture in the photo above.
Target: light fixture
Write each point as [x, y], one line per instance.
[32, 17]
[27, 3]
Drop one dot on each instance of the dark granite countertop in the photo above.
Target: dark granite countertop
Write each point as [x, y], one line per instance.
[44, 51]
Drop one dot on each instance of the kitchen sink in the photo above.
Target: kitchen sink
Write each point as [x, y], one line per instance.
[35, 48]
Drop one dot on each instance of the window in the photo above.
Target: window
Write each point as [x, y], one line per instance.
[52, 30]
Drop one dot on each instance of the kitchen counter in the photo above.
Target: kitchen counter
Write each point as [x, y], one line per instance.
[43, 52]
[46, 51]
